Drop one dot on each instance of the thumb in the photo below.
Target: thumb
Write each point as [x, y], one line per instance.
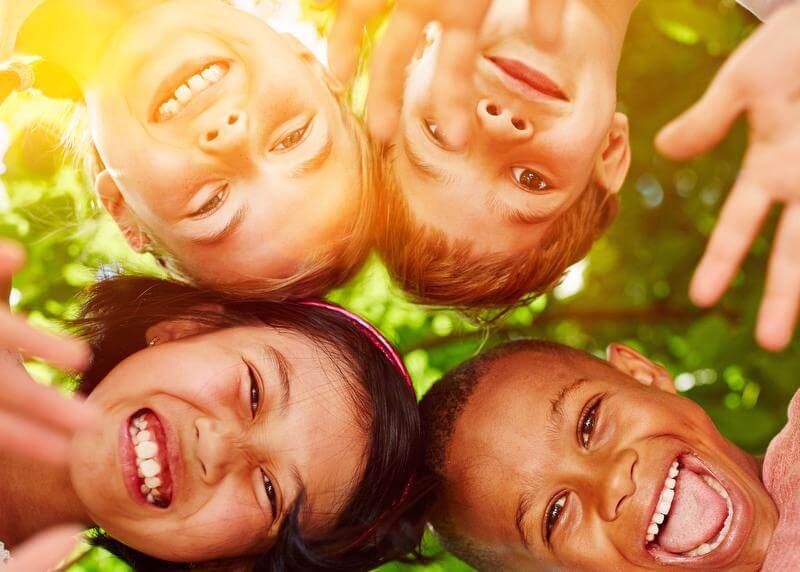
[703, 126]
[45, 550]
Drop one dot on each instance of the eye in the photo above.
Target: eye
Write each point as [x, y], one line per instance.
[255, 391]
[553, 514]
[587, 423]
[529, 180]
[269, 488]
[293, 139]
[434, 133]
[213, 204]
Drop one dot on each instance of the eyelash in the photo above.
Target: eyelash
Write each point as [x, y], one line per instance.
[215, 202]
[255, 402]
[588, 422]
[541, 184]
[294, 139]
[586, 427]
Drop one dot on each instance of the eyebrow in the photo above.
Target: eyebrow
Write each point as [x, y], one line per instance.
[233, 225]
[283, 368]
[556, 414]
[423, 167]
[521, 216]
[523, 507]
[316, 162]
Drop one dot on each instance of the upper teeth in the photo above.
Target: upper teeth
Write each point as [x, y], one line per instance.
[188, 90]
[664, 502]
[146, 450]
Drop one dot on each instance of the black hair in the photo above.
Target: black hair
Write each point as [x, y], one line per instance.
[440, 411]
[381, 522]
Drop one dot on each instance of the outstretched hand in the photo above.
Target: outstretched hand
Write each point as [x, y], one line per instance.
[44, 551]
[35, 420]
[761, 80]
[453, 92]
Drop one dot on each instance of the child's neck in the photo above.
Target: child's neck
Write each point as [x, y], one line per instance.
[33, 497]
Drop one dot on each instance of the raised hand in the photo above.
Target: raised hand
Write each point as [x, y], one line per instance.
[44, 551]
[35, 420]
[453, 93]
[761, 80]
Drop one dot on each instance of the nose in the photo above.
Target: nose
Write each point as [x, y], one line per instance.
[226, 133]
[616, 482]
[216, 449]
[501, 124]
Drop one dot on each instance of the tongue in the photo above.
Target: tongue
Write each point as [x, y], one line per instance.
[697, 515]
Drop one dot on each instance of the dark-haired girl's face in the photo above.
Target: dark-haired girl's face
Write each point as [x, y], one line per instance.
[208, 440]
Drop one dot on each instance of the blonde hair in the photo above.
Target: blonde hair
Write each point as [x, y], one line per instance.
[436, 270]
[329, 268]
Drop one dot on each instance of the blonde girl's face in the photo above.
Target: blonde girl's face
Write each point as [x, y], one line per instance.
[222, 141]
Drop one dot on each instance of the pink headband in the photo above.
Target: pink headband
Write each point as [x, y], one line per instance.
[391, 354]
[372, 333]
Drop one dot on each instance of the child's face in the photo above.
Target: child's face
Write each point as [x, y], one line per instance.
[531, 153]
[223, 140]
[244, 419]
[562, 466]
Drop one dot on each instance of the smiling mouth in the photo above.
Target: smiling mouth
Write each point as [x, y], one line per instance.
[693, 514]
[189, 87]
[522, 78]
[150, 455]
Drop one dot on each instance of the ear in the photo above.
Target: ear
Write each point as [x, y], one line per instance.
[115, 204]
[614, 161]
[318, 67]
[172, 330]
[634, 364]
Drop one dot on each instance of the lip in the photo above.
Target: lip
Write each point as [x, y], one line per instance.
[522, 79]
[176, 77]
[127, 458]
[741, 524]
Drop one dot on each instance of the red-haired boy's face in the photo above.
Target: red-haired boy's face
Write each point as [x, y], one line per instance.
[583, 466]
[543, 129]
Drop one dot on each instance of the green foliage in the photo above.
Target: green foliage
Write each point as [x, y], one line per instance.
[633, 288]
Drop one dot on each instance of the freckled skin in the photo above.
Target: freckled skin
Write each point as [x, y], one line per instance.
[502, 448]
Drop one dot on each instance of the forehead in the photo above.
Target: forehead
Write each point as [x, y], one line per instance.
[501, 438]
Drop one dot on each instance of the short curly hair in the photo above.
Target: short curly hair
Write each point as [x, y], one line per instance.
[437, 270]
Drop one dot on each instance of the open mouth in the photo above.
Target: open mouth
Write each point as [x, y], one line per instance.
[693, 513]
[521, 78]
[181, 94]
[150, 454]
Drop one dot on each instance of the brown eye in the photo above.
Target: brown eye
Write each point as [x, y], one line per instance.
[292, 139]
[553, 514]
[213, 203]
[529, 180]
[433, 129]
[587, 423]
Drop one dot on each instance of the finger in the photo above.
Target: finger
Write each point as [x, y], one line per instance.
[546, 20]
[388, 72]
[12, 257]
[453, 88]
[778, 315]
[741, 218]
[21, 395]
[344, 41]
[705, 124]
[23, 437]
[45, 550]
[17, 334]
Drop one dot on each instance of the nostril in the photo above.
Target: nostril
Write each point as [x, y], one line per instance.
[211, 135]
[233, 118]
[492, 109]
[520, 124]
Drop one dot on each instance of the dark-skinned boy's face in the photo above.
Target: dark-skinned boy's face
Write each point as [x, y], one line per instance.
[556, 465]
